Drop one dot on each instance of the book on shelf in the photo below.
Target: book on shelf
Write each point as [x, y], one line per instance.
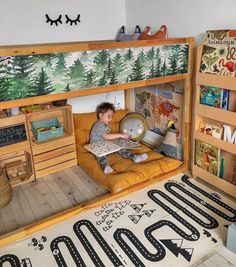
[210, 129]
[208, 157]
[105, 147]
[214, 97]
[218, 53]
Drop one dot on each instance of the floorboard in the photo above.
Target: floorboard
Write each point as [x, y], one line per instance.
[49, 195]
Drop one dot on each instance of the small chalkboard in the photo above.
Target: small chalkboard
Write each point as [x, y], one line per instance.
[12, 135]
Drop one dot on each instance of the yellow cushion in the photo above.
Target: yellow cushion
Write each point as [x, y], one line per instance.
[126, 172]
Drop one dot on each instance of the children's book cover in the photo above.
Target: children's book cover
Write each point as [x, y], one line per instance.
[210, 96]
[208, 157]
[160, 104]
[225, 99]
[219, 53]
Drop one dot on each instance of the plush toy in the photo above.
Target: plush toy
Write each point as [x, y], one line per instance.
[135, 125]
[160, 34]
[121, 37]
[169, 147]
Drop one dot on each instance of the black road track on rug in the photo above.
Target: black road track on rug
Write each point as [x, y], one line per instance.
[175, 246]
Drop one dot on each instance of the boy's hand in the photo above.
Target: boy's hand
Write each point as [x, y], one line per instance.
[125, 136]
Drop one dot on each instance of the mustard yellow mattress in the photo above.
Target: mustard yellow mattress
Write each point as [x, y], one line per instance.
[126, 172]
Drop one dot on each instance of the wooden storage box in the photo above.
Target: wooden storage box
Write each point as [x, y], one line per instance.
[16, 170]
[47, 129]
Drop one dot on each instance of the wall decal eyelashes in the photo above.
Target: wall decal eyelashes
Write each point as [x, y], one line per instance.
[72, 21]
[56, 21]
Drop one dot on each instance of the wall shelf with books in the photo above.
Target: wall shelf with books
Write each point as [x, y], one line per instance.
[231, 148]
[214, 153]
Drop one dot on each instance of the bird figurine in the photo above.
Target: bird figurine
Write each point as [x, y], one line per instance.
[160, 34]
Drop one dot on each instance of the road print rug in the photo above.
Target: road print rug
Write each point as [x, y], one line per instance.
[172, 223]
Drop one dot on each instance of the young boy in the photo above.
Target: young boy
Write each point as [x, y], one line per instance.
[101, 130]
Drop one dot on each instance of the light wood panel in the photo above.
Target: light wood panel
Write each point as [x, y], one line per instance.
[231, 148]
[215, 181]
[224, 116]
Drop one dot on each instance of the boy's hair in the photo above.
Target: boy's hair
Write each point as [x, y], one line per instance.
[104, 107]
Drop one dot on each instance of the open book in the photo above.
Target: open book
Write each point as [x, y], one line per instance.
[102, 148]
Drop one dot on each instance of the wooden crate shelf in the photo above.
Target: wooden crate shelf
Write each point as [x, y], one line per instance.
[54, 154]
[19, 151]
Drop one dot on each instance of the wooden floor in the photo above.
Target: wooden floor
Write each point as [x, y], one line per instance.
[32, 202]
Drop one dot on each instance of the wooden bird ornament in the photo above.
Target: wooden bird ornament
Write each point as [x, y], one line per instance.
[160, 34]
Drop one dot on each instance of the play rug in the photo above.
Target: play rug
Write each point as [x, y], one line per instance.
[172, 223]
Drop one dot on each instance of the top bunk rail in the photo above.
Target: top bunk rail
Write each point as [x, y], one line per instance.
[39, 73]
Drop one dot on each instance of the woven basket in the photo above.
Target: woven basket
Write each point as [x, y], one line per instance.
[5, 190]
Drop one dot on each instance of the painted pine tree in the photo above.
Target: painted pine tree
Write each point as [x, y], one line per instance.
[100, 61]
[113, 79]
[67, 88]
[173, 59]
[22, 69]
[89, 79]
[157, 61]
[150, 55]
[118, 65]
[137, 71]
[5, 79]
[103, 80]
[183, 58]
[152, 72]
[41, 85]
[76, 73]
[129, 55]
[60, 68]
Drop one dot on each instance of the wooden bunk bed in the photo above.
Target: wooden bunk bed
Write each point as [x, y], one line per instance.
[60, 48]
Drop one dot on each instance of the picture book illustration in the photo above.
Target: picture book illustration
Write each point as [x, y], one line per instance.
[160, 104]
[218, 54]
[102, 148]
[208, 157]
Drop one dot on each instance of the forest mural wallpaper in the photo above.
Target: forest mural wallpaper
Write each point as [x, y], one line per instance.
[35, 75]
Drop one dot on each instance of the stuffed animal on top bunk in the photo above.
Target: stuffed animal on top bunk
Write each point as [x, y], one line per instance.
[160, 34]
[169, 145]
[122, 36]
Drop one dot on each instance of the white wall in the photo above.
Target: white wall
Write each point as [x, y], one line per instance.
[24, 22]
[184, 17]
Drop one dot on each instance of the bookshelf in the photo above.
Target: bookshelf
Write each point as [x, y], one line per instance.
[217, 117]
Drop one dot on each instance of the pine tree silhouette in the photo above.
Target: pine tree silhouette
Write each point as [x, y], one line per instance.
[137, 71]
[164, 69]
[118, 65]
[22, 69]
[60, 68]
[5, 86]
[88, 80]
[152, 72]
[150, 55]
[100, 61]
[128, 56]
[103, 81]
[42, 85]
[67, 88]
[77, 72]
[183, 58]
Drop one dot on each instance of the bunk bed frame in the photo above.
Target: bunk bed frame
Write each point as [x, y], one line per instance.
[23, 50]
